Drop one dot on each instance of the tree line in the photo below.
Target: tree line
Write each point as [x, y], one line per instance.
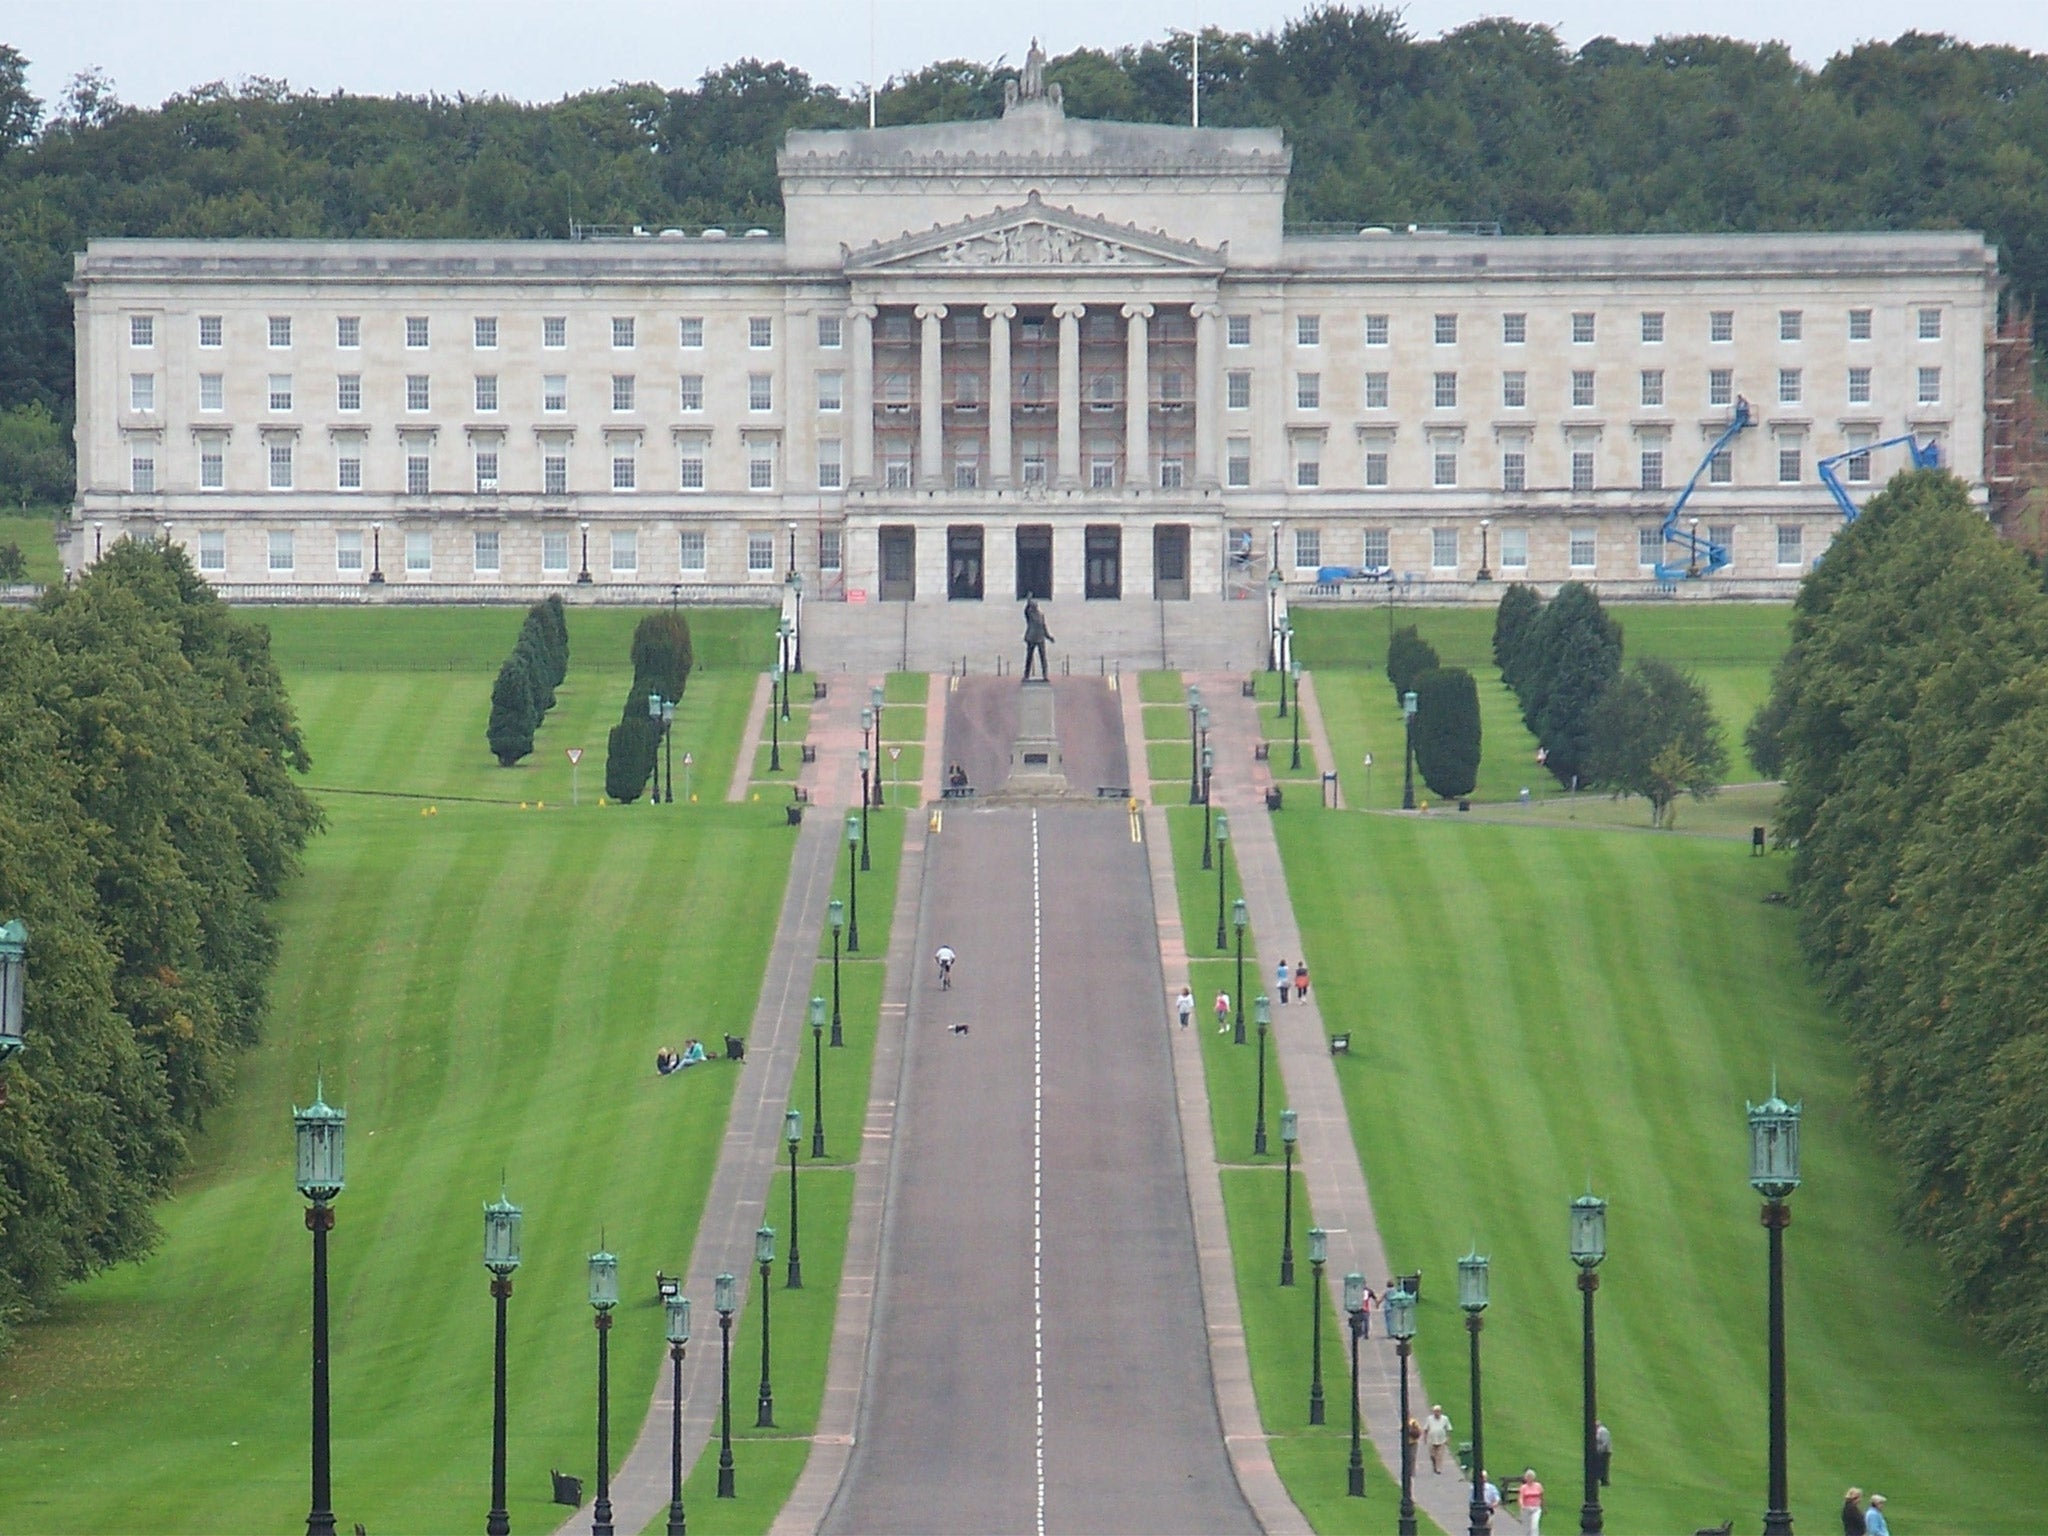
[1497, 120]
[1909, 721]
[148, 820]
[525, 689]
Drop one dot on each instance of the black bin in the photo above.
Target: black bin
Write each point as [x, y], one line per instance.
[1273, 797]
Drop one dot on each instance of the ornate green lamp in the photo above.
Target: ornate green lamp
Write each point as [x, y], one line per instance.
[604, 1297]
[1400, 1305]
[501, 1257]
[677, 1318]
[1774, 1174]
[1589, 1247]
[1474, 1292]
[321, 1133]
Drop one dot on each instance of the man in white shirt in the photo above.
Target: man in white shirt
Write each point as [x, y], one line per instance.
[1436, 1434]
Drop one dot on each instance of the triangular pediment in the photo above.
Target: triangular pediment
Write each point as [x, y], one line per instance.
[1034, 236]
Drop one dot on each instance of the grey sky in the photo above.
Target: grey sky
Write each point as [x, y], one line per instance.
[543, 49]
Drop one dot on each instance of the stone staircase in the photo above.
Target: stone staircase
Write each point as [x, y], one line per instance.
[1208, 634]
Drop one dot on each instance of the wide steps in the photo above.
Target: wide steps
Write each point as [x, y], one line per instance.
[1201, 634]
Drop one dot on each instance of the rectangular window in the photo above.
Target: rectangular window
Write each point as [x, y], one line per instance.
[966, 474]
[1653, 386]
[554, 472]
[1653, 326]
[1514, 548]
[760, 332]
[486, 469]
[281, 552]
[1443, 548]
[1237, 330]
[142, 470]
[622, 333]
[554, 331]
[1514, 329]
[1173, 387]
[213, 550]
[1376, 467]
[280, 330]
[761, 466]
[829, 477]
[1443, 466]
[1582, 328]
[760, 554]
[280, 391]
[417, 396]
[280, 463]
[142, 391]
[419, 472]
[1791, 324]
[209, 330]
[829, 332]
[1376, 391]
[1374, 552]
[1859, 386]
[142, 330]
[1651, 462]
[484, 335]
[1308, 463]
[348, 463]
[1444, 390]
[690, 551]
[1930, 325]
[1723, 534]
[1308, 330]
[554, 549]
[1238, 462]
[1514, 389]
[1859, 325]
[484, 551]
[554, 393]
[1582, 386]
[1237, 389]
[1789, 390]
[1859, 462]
[1375, 330]
[212, 465]
[1446, 330]
[830, 389]
[1514, 469]
[690, 332]
[690, 392]
[692, 460]
[1101, 474]
[348, 391]
[1308, 548]
[348, 332]
[622, 392]
[1308, 391]
[1721, 468]
[896, 473]
[486, 393]
[419, 551]
[1789, 457]
[625, 470]
[625, 551]
[1650, 544]
[1582, 469]
[1721, 325]
[1929, 391]
[415, 331]
[1172, 473]
[1721, 386]
[760, 391]
[1791, 544]
[1583, 550]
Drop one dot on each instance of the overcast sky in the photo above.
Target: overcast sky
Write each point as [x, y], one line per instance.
[543, 49]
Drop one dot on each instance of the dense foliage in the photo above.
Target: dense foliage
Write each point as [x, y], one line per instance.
[1909, 719]
[1654, 734]
[1562, 658]
[1408, 657]
[662, 658]
[148, 816]
[1447, 731]
[1519, 606]
[525, 689]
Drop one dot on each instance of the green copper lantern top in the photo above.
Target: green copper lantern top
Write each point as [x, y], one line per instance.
[321, 1132]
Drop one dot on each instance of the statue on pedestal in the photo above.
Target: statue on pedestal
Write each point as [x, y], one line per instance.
[1035, 636]
[1030, 84]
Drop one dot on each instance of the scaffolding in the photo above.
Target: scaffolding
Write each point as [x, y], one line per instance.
[2015, 454]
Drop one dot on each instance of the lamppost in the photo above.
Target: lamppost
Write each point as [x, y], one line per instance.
[98, 529]
[13, 965]
[321, 1134]
[668, 736]
[793, 1132]
[1472, 1296]
[796, 588]
[1288, 1133]
[1222, 869]
[817, 1106]
[1294, 761]
[867, 723]
[1280, 643]
[875, 698]
[1318, 1255]
[604, 1295]
[785, 631]
[1589, 1247]
[722, 1302]
[1485, 571]
[1240, 919]
[853, 846]
[583, 576]
[864, 761]
[764, 1255]
[1202, 722]
[1401, 1329]
[774, 722]
[654, 702]
[835, 919]
[1692, 566]
[1408, 771]
[1194, 745]
[1354, 1312]
[376, 554]
[501, 1257]
[1774, 1174]
[678, 1309]
[1262, 1013]
[1208, 767]
[1273, 616]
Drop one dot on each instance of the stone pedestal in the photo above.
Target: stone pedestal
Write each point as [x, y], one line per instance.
[1036, 769]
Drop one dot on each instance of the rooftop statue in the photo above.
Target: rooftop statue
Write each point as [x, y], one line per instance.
[1030, 84]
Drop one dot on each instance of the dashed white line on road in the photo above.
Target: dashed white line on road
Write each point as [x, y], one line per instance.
[1038, 1165]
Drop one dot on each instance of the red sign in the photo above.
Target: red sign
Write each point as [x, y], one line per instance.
[575, 756]
[856, 594]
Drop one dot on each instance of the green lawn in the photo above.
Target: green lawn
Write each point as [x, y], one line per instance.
[1532, 1006]
[1162, 688]
[36, 535]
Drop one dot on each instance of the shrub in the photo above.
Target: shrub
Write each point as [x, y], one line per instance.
[1654, 734]
[1520, 607]
[662, 658]
[1408, 657]
[1447, 731]
[13, 564]
[629, 756]
[1573, 654]
[513, 715]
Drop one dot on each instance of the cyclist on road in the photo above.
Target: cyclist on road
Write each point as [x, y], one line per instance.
[945, 958]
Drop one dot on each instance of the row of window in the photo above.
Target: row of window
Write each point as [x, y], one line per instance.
[1445, 464]
[1514, 388]
[1514, 327]
[280, 393]
[1447, 545]
[281, 466]
[554, 331]
[622, 545]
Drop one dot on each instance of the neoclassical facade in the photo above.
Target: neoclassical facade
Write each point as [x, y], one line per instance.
[1027, 356]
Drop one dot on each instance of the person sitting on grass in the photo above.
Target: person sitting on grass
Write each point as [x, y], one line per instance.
[693, 1053]
[666, 1061]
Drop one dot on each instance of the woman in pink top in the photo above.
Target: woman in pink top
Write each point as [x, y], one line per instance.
[1530, 1497]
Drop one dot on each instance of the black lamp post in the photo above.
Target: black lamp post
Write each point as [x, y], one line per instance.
[376, 554]
[1485, 529]
[321, 1131]
[1774, 1174]
[723, 1301]
[1589, 1247]
[1294, 760]
[678, 1319]
[604, 1296]
[793, 1132]
[867, 724]
[1473, 1286]
[1287, 1137]
[583, 576]
[1408, 772]
[817, 1104]
[785, 632]
[764, 1255]
[1202, 725]
[1194, 745]
[864, 762]
[1692, 566]
[835, 919]
[876, 699]
[1262, 1013]
[796, 588]
[1318, 1255]
[654, 703]
[774, 722]
[668, 736]
[1208, 767]
[501, 1257]
[1280, 644]
[1273, 612]
[1354, 1314]
[1222, 869]
[1401, 1329]
[13, 965]
[1240, 919]
[853, 845]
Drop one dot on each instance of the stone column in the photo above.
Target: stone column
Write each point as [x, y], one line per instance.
[1137, 395]
[861, 398]
[1207, 418]
[999, 317]
[931, 405]
[1069, 317]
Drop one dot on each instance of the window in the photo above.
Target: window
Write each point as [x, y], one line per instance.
[1859, 325]
[691, 451]
[1721, 325]
[419, 470]
[142, 468]
[554, 331]
[1308, 330]
[484, 335]
[760, 332]
[690, 392]
[761, 465]
[213, 550]
[281, 552]
[760, 554]
[1308, 391]
[760, 391]
[1791, 323]
[625, 470]
[209, 332]
[212, 465]
[966, 474]
[1653, 386]
[419, 551]
[1446, 330]
[484, 551]
[625, 551]
[1789, 456]
[1443, 548]
[1308, 548]
[1101, 474]
[1237, 458]
[1237, 389]
[348, 332]
[554, 471]
[1582, 328]
[690, 332]
[142, 330]
[1376, 457]
[1930, 325]
[348, 463]
[1650, 461]
[1859, 386]
[1583, 549]
[1791, 543]
[1582, 386]
[1929, 391]
[486, 469]
[1444, 390]
[1653, 326]
[486, 393]
[554, 393]
[415, 331]
[1374, 552]
[1859, 461]
[830, 389]
[967, 391]
[829, 331]
[142, 391]
[690, 551]
[1375, 330]
[417, 396]
[1514, 329]
[348, 391]
[1173, 387]
[896, 473]
[1514, 548]
[1722, 534]
[1101, 325]
[1308, 462]
[1721, 468]
[1237, 330]
[1443, 465]
[280, 330]
[1582, 469]
[1514, 389]
[1514, 469]
[1650, 544]
[1721, 386]
[828, 549]
[622, 392]
[280, 391]
[554, 549]
[280, 463]
[622, 333]
[1789, 390]
[1172, 474]
[829, 476]
[1376, 391]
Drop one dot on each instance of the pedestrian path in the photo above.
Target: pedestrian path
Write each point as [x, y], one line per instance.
[750, 739]
[1311, 711]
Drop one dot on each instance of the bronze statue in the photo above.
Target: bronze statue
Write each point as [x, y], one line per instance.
[1035, 636]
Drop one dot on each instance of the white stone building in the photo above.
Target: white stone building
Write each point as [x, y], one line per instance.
[1032, 355]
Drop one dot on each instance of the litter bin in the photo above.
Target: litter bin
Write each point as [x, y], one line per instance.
[568, 1490]
[1273, 797]
[1465, 1458]
[795, 813]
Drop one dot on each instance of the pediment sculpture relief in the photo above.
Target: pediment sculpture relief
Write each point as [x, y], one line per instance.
[1034, 245]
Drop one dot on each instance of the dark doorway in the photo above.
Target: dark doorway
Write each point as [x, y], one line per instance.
[963, 563]
[1170, 562]
[1034, 562]
[899, 565]
[1105, 550]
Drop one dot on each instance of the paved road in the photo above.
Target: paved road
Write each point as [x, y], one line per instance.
[1038, 1362]
[981, 726]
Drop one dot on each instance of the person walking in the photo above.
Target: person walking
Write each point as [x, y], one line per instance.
[1603, 1451]
[1530, 1497]
[1301, 981]
[1436, 1434]
[1280, 979]
[1853, 1523]
[1874, 1522]
[1222, 1013]
[1184, 1005]
[1489, 1494]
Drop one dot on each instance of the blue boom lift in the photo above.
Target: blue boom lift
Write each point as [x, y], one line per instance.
[1925, 456]
[1702, 556]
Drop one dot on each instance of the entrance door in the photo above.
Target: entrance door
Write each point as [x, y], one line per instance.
[963, 563]
[898, 564]
[1034, 562]
[1170, 562]
[1105, 551]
